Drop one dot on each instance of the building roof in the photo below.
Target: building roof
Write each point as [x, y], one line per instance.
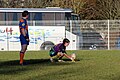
[48, 9]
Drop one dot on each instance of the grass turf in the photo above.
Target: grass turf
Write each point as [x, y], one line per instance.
[90, 65]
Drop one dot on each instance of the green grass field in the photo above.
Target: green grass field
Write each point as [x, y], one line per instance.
[90, 65]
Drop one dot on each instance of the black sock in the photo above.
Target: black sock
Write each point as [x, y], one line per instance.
[60, 58]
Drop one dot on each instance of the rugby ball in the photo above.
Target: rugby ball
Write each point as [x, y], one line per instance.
[73, 55]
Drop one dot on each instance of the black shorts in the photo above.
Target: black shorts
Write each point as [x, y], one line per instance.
[52, 52]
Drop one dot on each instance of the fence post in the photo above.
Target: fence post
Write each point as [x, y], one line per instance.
[71, 32]
[34, 33]
[7, 41]
[108, 34]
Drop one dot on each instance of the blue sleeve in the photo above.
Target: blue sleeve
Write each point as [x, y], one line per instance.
[22, 24]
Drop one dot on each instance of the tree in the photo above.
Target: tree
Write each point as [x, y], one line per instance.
[88, 11]
[2, 3]
[108, 9]
[75, 5]
[101, 10]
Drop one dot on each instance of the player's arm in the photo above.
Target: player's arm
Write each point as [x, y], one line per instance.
[67, 56]
[22, 26]
[63, 50]
[23, 32]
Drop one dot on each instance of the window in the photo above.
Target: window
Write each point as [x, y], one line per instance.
[2, 16]
[48, 16]
[37, 16]
[59, 16]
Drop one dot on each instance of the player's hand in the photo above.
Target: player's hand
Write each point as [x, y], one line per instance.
[72, 59]
[27, 38]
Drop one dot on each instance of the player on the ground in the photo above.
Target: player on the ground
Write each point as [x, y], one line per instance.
[24, 36]
[59, 51]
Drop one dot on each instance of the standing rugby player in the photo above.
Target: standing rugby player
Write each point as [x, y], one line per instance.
[24, 36]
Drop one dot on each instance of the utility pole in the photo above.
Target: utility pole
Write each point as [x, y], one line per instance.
[22, 3]
[7, 4]
[31, 3]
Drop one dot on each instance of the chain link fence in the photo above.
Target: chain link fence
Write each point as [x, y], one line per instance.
[83, 34]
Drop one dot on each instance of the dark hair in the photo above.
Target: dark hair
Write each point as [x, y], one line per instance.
[65, 41]
[25, 13]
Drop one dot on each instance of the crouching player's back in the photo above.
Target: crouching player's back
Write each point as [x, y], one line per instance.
[59, 51]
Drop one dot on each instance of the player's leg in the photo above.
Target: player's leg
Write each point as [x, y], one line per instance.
[60, 55]
[22, 52]
[25, 48]
[24, 44]
[52, 54]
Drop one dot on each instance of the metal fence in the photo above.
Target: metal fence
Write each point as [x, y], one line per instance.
[83, 34]
[104, 34]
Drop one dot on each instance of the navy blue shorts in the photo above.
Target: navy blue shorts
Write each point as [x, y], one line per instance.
[23, 40]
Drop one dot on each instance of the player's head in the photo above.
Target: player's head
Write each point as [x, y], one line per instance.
[66, 42]
[25, 14]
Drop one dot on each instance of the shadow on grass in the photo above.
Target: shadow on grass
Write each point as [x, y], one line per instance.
[30, 62]
[13, 67]
[70, 60]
